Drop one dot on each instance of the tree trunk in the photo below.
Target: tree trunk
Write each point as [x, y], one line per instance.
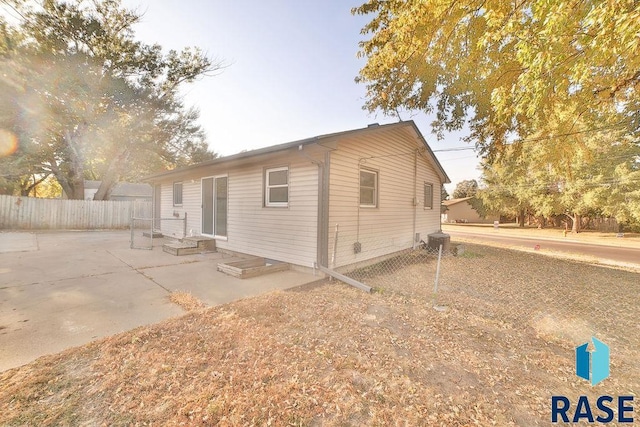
[75, 178]
[77, 188]
[111, 176]
[576, 219]
[26, 187]
[106, 186]
[521, 214]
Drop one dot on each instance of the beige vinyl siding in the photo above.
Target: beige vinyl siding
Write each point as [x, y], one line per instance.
[283, 233]
[389, 227]
[286, 234]
[190, 205]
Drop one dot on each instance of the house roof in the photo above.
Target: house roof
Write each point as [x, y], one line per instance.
[131, 189]
[91, 185]
[455, 201]
[127, 189]
[303, 142]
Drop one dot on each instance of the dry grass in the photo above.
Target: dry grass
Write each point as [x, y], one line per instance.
[187, 301]
[333, 355]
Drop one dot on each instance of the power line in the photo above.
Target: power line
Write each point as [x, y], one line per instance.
[453, 149]
[458, 158]
[608, 181]
[562, 135]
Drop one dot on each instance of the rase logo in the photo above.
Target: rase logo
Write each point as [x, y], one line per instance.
[594, 367]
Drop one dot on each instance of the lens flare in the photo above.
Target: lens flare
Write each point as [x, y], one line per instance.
[8, 143]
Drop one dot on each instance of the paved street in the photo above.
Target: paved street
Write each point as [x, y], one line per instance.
[611, 253]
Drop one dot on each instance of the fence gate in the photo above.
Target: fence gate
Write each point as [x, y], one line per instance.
[141, 228]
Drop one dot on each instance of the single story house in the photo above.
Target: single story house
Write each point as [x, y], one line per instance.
[121, 191]
[379, 185]
[461, 210]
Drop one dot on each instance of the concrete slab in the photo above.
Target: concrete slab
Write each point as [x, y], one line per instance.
[205, 282]
[18, 242]
[75, 287]
[48, 317]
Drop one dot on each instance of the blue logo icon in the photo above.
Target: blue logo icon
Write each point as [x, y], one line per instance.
[593, 365]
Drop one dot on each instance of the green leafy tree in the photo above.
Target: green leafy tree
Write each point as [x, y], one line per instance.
[547, 89]
[576, 177]
[466, 188]
[87, 100]
[506, 189]
[444, 195]
[505, 68]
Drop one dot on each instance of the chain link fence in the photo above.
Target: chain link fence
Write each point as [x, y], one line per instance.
[141, 228]
[393, 264]
[522, 301]
[146, 230]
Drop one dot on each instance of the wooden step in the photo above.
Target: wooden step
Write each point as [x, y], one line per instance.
[190, 245]
[155, 234]
[207, 244]
[252, 267]
[179, 248]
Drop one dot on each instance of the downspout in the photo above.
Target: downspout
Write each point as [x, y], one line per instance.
[323, 207]
[322, 228]
[323, 223]
[415, 197]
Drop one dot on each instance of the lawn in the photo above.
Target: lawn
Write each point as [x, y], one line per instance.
[334, 355]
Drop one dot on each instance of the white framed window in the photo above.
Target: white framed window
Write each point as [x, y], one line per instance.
[368, 188]
[276, 187]
[177, 194]
[428, 195]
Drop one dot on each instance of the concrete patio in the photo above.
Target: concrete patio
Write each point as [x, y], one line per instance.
[64, 289]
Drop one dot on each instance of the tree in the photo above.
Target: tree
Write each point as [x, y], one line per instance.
[444, 195]
[576, 177]
[503, 67]
[547, 89]
[86, 100]
[466, 188]
[506, 189]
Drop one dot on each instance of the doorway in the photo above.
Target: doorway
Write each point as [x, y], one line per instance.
[214, 206]
[157, 207]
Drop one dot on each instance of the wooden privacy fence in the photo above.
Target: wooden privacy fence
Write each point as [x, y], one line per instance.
[33, 213]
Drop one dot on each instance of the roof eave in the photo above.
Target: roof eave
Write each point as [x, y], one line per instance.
[288, 145]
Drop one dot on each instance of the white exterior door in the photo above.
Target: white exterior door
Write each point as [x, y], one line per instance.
[214, 206]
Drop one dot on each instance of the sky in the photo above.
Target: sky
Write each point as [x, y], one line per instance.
[289, 72]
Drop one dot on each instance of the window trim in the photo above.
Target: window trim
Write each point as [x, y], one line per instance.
[181, 193]
[376, 188]
[267, 202]
[424, 203]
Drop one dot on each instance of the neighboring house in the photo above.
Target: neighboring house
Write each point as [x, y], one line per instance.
[121, 191]
[461, 210]
[380, 184]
